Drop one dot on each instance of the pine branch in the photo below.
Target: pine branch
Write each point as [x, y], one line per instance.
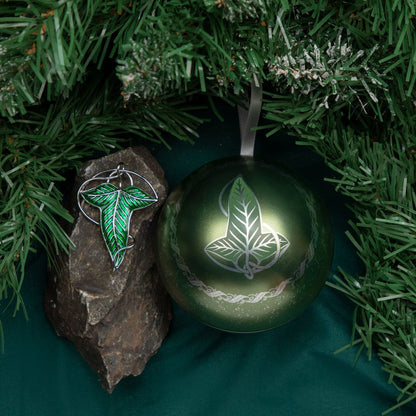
[47, 46]
[181, 49]
[35, 151]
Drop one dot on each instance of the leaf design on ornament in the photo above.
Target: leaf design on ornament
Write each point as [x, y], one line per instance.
[116, 206]
[246, 248]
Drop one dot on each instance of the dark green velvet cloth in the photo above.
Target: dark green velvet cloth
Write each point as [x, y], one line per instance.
[288, 371]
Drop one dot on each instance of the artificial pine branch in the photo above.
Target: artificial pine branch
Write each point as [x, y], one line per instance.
[46, 46]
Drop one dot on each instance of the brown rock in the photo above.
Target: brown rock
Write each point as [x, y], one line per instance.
[116, 318]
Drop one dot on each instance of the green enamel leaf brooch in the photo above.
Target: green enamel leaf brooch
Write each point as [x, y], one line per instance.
[116, 205]
[249, 245]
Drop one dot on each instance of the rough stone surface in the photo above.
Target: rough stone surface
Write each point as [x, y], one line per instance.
[117, 319]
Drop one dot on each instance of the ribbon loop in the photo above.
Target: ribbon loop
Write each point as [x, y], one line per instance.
[249, 116]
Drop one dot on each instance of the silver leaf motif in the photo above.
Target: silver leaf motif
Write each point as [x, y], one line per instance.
[249, 246]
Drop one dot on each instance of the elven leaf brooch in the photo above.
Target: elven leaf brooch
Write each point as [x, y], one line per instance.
[116, 205]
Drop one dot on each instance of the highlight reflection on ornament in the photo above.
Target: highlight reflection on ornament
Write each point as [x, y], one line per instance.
[245, 248]
[116, 205]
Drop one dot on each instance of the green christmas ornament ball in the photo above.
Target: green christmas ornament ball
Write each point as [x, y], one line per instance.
[243, 245]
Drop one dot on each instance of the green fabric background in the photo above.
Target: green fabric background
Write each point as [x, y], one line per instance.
[289, 371]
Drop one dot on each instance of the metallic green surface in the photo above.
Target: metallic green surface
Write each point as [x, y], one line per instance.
[243, 246]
